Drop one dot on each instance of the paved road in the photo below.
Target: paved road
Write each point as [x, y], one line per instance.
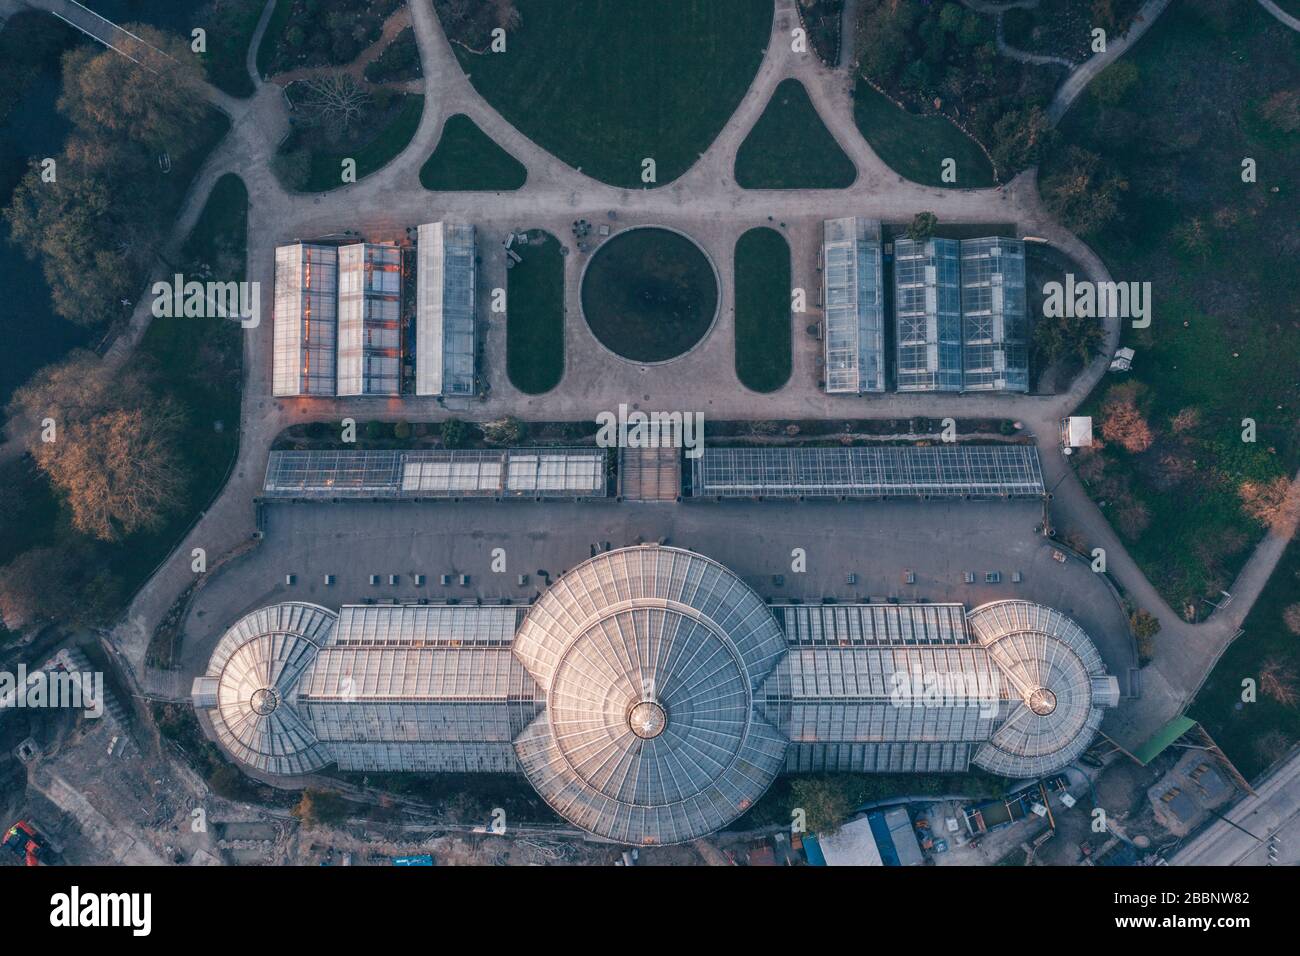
[706, 203]
[1274, 812]
[1077, 81]
[1280, 14]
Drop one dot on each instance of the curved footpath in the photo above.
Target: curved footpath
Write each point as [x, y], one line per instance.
[705, 203]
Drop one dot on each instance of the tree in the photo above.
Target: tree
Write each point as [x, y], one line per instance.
[1082, 193]
[1115, 82]
[320, 807]
[114, 453]
[1059, 338]
[1277, 680]
[157, 103]
[1019, 138]
[1274, 504]
[825, 801]
[97, 227]
[1145, 627]
[503, 431]
[1122, 421]
[1282, 111]
[1292, 618]
[922, 227]
[35, 586]
[336, 102]
[455, 433]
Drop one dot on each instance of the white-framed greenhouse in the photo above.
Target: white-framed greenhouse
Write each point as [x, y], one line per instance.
[370, 312]
[306, 320]
[930, 471]
[853, 306]
[445, 329]
[437, 473]
[651, 696]
[927, 306]
[995, 323]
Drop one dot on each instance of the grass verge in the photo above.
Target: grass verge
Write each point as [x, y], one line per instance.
[468, 159]
[915, 146]
[763, 348]
[535, 315]
[604, 86]
[791, 148]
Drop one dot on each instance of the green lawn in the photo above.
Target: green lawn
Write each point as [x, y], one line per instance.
[535, 316]
[325, 166]
[604, 85]
[1220, 255]
[1255, 734]
[791, 148]
[763, 349]
[274, 28]
[915, 146]
[230, 30]
[468, 159]
[197, 362]
[649, 294]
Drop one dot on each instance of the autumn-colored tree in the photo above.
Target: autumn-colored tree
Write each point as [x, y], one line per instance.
[1277, 681]
[317, 807]
[1122, 421]
[108, 443]
[1274, 504]
[156, 102]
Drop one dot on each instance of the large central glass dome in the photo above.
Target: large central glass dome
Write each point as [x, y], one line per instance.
[649, 658]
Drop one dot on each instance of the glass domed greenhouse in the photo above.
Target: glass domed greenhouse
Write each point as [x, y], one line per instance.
[650, 696]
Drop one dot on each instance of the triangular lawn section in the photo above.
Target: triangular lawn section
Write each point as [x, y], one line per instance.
[468, 159]
[791, 148]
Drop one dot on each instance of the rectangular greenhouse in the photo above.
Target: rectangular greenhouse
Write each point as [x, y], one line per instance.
[306, 320]
[437, 473]
[853, 303]
[995, 323]
[370, 311]
[933, 471]
[445, 330]
[927, 304]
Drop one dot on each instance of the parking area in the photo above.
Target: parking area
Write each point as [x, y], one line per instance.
[904, 550]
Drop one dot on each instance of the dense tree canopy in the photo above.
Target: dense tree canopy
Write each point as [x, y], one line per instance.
[113, 452]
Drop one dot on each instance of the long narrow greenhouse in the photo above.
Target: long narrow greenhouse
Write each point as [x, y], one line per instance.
[934, 471]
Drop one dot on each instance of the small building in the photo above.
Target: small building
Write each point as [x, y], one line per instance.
[881, 838]
[1076, 432]
[1123, 360]
[370, 312]
[927, 306]
[306, 319]
[445, 329]
[853, 302]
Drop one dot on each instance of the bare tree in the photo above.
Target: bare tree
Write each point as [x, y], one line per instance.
[335, 101]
